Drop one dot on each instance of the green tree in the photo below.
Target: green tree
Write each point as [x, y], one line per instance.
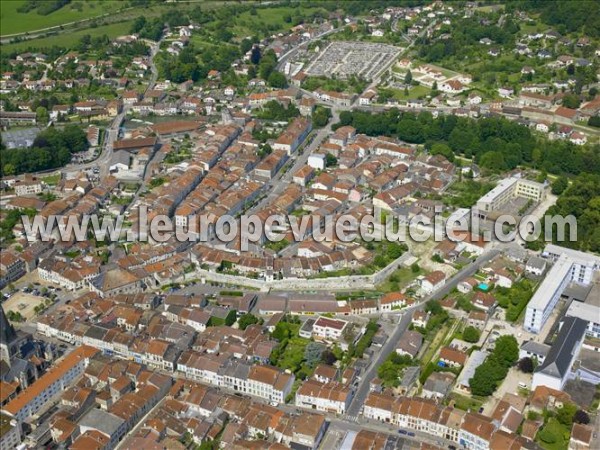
[526, 365]
[506, 350]
[571, 101]
[321, 116]
[581, 417]
[408, 77]
[312, 353]
[246, 320]
[442, 149]
[485, 379]
[471, 334]
[566, 413]
[277, 80]
[330, 160]
[559, 185]
[594, 121]
[42, 115]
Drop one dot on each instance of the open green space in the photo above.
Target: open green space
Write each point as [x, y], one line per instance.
[13, 22]
[413, 93]
[71, 38]
[400, 278]
[553, 436]
[465, 403]
[274, 19]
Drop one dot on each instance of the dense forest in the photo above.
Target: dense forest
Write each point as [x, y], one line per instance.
[495, 143]
[51, 148]
[582, 199]
[464, 34]
[571, 16]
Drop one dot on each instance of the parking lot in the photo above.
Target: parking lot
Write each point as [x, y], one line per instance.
[23, 303]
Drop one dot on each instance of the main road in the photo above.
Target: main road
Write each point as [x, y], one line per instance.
[365, 383]
[364, 386]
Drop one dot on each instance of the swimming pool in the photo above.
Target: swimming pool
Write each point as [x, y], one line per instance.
[483, 286]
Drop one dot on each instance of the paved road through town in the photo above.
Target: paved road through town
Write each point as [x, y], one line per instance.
[363, 388]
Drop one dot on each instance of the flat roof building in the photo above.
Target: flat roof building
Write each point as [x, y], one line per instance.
[569, 266]
[547, 295]
[510, 188]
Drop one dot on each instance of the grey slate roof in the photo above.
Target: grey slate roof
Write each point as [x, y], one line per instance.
[559, 358]
[102, 421]
[536, 348]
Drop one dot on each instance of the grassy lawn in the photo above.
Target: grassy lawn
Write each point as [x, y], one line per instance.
[446, 72]
[271, 17]
[52, 179]
[70, 39]
[335, 273]
[553, 436]
[465, 403]
[293, 355]
[13, 22]
[399, 279]
[415, 92]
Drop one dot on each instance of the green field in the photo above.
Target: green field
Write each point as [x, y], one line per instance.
[245, 22]
[13, 22]
[413, 93]
[69, 39]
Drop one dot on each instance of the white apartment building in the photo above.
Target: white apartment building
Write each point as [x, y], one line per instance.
[588, 312]
[509, 189]
[569, 266]
[547, 295]
[317, 161]
[269, 383]
[28, 187]
[378, 407]
[325, 328]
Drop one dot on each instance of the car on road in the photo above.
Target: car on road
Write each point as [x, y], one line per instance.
[411, 434]
[402, 431]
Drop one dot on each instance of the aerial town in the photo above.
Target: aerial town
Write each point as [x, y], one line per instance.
[413, 114]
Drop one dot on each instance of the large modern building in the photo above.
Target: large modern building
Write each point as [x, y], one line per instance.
[569, 266]
[589, 309]
[509, 189]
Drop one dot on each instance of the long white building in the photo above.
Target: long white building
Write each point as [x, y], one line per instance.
[508, 189]
[569, 266]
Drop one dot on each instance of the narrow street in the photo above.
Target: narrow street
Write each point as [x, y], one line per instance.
[282, 180]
